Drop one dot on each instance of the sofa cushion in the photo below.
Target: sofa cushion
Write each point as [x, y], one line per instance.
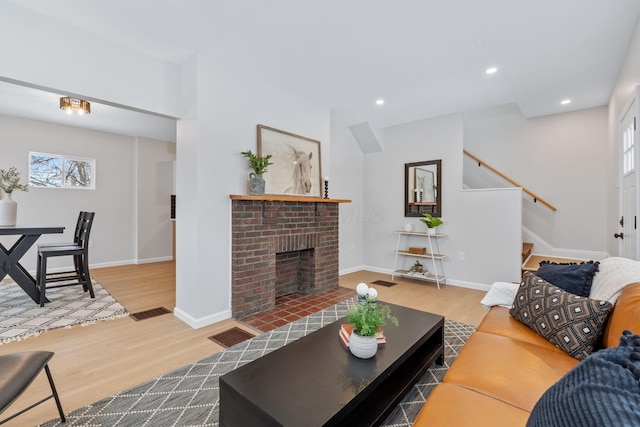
[571, 322]
[573, 278]
[625, 315]
[498, 321]
[603, 390]
[453, 405]
[509, 370]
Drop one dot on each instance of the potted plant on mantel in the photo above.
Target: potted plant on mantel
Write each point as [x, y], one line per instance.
[367, 318]
[431, 222]
[9, 182]
[259, 164]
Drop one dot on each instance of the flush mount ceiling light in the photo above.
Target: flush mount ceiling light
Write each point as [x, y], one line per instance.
[565, 101]
[379, 101]
[75, 105]
[491, 70]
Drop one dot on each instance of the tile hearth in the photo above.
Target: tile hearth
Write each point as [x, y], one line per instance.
[296, 306]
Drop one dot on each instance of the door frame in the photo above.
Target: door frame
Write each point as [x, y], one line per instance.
[633, 107]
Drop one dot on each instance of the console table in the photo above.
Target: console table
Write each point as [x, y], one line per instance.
[316, 381]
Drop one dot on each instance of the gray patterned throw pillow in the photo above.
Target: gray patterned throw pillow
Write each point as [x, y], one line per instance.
[570, 322]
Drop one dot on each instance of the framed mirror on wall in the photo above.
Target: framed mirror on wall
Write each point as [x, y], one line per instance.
[423, 188]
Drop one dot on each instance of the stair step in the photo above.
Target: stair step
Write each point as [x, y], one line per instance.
[526, 251]
[532, 263]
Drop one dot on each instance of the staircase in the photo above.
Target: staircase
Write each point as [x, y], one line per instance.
[531, 262]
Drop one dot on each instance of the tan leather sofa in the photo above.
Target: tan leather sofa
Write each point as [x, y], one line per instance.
[505, 367]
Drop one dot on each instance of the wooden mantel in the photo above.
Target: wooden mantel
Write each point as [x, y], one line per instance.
[283, 198]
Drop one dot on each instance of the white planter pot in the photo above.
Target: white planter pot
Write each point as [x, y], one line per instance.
[8, 211]
[431, 230]
[363, 347]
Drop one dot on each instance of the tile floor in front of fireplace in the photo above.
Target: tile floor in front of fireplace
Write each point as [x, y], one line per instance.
[295, 306]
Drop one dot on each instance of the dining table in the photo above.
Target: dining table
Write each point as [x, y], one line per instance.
[10, 258]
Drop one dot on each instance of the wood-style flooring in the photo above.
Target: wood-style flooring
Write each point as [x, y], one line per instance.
[96, 361]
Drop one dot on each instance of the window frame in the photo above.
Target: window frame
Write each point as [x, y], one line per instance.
[63, 161]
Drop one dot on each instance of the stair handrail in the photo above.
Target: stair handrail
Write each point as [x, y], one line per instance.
[536, 198]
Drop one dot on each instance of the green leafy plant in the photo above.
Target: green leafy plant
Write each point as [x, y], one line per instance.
[257, 163]
[10, 180]
[368, 316]
[431, 221]
[417, 266]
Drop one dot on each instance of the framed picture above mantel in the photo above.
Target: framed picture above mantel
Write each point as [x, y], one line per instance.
[296, 168]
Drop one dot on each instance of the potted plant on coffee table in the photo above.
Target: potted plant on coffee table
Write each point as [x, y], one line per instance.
[259, 164]
[367, 318]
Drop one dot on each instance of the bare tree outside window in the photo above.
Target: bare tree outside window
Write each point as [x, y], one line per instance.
[54, 171]
[77, 173]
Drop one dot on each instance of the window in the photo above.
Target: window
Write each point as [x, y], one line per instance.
[55, 171]
[627, 150]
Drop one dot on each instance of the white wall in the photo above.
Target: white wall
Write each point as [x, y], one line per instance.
[113, 235]
[621, 96]
[221, 108]
[44, 52]
[154, 175]
[558, 157]
[485, 225]
[346, 181]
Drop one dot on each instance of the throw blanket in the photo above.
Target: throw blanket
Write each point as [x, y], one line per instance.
[501, 293]
[603, 390]
[614, 274]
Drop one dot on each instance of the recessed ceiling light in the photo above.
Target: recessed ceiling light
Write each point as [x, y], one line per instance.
[491, 70]
[379, 101]
[565, 101]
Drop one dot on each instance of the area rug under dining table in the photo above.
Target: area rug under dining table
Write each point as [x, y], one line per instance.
[21, 318]
[189, 396]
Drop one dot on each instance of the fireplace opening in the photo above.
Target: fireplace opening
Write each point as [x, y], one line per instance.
[293, 272]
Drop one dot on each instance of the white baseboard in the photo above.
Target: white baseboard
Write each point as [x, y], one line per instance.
[351, 270]
[152, 260]
[197, 323]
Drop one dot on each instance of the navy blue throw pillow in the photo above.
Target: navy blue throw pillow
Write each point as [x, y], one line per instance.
[573, 278]
[602, 390]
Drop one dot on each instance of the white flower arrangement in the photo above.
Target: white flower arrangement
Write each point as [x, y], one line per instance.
[10, 180]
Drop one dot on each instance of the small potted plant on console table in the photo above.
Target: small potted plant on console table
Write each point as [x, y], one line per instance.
[367, 318]
[431, 222]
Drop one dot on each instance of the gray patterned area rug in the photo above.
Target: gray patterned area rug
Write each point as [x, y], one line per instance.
[21, 318]
[189, 396]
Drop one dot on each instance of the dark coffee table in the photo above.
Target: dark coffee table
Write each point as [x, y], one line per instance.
[316, 381]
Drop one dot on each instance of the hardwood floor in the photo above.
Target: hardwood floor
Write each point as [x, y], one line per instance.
[99, 360]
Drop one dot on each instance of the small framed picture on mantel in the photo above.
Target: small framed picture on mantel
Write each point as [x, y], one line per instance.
[296, 168]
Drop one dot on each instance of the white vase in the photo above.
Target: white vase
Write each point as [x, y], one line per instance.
[363, 347]
[8, 211]
[408, 227]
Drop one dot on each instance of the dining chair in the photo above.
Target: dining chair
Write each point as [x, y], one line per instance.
[17, 372]
[79, 250]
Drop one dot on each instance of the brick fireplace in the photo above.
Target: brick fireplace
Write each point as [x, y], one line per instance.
[281, 245]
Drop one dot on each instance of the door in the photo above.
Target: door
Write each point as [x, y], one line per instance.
[628, 216]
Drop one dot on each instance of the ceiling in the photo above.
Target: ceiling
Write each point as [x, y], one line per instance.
[423, 57]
